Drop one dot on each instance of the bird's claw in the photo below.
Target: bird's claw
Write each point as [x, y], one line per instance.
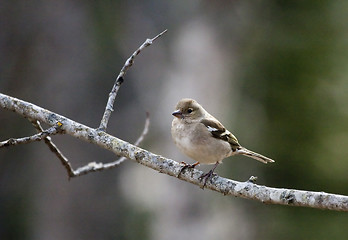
[186, 166]
[207, 176]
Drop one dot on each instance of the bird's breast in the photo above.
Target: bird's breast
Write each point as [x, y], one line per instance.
[197, 143]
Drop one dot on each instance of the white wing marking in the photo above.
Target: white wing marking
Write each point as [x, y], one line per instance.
[211, 129]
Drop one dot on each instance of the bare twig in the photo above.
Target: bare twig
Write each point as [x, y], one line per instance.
[36, 137]
[93, 166]
[145, 130]
[119, 81]
[55, 150]
[249, 190]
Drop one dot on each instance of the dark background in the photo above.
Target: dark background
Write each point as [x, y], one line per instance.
[274, 73]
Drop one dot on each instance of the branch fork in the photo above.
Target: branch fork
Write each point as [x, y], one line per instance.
[56, 128]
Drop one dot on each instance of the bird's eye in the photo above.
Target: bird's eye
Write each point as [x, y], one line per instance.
[190, 110]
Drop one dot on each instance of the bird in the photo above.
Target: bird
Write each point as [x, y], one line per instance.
[204, 139]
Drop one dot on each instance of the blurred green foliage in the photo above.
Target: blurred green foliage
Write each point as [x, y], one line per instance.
[292, 51]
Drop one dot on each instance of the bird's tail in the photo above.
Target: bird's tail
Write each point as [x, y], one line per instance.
[254, 155]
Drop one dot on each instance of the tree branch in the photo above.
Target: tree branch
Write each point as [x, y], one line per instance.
[34, 138]
[120, 79]
[65, 162]
[248, 189]
[94, 167]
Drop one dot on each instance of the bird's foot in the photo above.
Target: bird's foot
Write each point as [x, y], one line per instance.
[186, 166]
[207, 176]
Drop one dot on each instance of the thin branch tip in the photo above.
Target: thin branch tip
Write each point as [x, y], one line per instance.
[120, 78]
[159, 35]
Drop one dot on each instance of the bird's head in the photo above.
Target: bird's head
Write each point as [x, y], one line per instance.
[188, 109]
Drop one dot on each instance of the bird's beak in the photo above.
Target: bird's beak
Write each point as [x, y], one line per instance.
[178, 114]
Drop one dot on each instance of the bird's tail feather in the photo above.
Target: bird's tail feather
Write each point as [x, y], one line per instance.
[254, 155]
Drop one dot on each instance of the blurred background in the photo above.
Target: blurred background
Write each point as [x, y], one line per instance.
[273, 72]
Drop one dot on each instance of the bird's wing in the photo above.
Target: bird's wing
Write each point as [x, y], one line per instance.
[220, 132]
